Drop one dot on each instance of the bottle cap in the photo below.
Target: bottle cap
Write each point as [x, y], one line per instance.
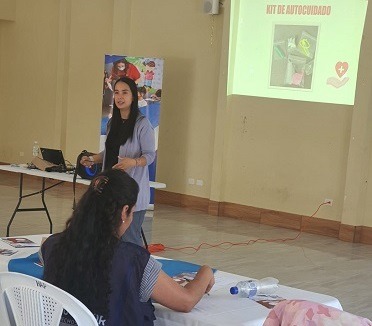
[234, 290]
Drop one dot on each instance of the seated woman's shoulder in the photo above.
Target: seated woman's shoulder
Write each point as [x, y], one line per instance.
[131, 249]
[52, 239]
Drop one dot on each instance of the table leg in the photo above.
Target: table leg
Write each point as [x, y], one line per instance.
[41, 209]
[19, 203]
[45, 207]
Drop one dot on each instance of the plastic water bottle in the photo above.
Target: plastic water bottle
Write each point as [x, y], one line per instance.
[35, 149]
[250, 288]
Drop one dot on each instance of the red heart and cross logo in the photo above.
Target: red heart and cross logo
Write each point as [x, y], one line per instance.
[341, 68]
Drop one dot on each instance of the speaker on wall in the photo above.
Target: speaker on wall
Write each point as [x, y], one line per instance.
[211, 7]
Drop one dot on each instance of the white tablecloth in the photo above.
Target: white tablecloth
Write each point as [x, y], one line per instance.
[68, 177]
[220, 308]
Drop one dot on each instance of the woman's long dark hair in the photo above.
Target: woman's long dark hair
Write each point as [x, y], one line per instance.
[116, 121]
[80, 263]
[119, 133]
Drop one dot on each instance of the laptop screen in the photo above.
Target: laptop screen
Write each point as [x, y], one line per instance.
[54, 156]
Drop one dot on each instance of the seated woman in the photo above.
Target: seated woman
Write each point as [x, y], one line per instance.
[114, 279]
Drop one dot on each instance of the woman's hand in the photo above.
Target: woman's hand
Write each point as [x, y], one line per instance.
[206, 272]
[172, 295]
[211, 283]
[87, 161]
[125, 163]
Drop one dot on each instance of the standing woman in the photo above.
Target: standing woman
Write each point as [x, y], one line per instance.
[130, 146]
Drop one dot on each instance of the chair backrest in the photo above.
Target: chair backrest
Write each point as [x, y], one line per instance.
[28, 301]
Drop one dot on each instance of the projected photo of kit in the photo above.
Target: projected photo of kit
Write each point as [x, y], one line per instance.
[293, 56]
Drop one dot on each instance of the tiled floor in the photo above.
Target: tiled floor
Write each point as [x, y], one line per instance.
[311, 262]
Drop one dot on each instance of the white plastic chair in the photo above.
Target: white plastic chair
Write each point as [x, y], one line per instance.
[28, 301]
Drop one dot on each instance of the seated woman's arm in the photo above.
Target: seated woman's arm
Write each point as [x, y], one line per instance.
[172, 295]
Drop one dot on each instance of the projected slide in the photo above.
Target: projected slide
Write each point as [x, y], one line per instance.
[293, 56]
[307, 51]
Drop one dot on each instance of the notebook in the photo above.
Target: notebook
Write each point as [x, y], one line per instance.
[54, 156]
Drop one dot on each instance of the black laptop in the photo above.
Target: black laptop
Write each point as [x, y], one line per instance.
[54, 156]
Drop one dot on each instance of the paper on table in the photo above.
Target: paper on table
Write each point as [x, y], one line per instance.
[19, 242]
[7, 252]
[184, 278]
[223, 280]
[268, 301]
[221, 302]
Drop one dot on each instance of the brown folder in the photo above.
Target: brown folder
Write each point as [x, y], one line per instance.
[41, 164]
